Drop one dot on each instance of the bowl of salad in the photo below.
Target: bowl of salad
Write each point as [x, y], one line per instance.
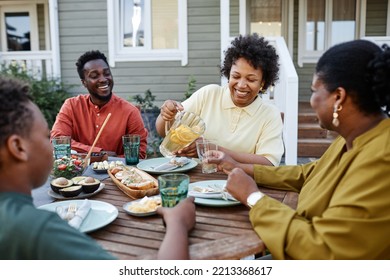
[68, 167]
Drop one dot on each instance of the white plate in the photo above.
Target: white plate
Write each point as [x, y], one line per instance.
[148, 164]
[144, 214]
[214, 200]
[101, 214]
[81, 195]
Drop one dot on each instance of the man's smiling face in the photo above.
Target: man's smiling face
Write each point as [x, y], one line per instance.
[98, 80]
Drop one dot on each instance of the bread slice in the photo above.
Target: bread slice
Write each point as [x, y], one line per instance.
[147, 187]
[134, 178]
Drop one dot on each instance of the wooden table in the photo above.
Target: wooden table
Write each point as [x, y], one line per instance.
[219, 233]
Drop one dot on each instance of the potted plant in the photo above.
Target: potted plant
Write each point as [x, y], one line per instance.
[149, 113]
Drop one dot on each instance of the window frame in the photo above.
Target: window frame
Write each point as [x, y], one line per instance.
[31, 9]
[116, 52]
[305, 56]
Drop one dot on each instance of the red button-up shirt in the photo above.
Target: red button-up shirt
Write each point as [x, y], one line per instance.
[81, 119]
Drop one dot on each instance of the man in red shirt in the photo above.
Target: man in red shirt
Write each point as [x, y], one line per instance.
[82, 116]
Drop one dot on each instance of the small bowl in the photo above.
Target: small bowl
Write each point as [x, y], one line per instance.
[95, 157]
[71, 191]
[99, 171]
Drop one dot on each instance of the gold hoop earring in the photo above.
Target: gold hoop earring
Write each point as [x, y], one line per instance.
[336, 108]
[261, 90]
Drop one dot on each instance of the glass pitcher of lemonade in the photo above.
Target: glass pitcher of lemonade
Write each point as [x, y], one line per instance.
[186, 129]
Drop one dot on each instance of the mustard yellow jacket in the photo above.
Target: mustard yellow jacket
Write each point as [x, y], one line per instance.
[343, 208]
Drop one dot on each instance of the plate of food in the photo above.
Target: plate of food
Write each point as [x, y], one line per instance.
[211, 193]
[134, 182]
[164, 165]
[101, 167]
[75, 188]
[146, 206]
[67, 167]
[100, 215]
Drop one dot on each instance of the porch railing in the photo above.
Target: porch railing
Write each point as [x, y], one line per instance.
[37, 63]
[285, 97]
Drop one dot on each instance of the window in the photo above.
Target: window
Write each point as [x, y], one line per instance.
[324, 23]
[269, 18]
[147, 30]
[20, 32]
[266, 17]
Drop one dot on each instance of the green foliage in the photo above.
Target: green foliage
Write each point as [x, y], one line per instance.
[190, 87]
[48, 94]
[145, 102]
[149, 112]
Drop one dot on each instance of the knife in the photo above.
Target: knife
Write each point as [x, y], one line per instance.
[172, 164]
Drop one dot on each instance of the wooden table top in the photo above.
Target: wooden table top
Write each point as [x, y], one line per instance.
[219, 233]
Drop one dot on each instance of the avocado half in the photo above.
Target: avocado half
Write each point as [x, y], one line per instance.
[89, 184]
[71, 191]
[60, 183]
[77, 179]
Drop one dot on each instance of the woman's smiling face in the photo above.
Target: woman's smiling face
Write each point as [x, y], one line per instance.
[244, 82]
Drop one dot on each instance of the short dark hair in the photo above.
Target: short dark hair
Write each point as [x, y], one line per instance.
[88, 56]
[258, 52]
[362, 68]
[16, 116]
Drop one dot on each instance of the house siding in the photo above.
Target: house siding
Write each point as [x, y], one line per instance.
[83, 26]
[376, 18]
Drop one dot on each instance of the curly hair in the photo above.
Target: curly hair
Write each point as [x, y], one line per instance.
[16, 116]
[362, 68]
[86, 57]
[258, 52]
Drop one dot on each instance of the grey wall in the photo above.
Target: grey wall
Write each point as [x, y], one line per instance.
[83, 26]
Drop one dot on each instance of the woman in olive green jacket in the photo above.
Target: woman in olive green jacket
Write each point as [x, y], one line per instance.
[344, 197]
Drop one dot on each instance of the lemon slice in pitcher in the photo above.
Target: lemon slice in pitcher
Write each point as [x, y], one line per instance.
[186, 135]
[174, 139]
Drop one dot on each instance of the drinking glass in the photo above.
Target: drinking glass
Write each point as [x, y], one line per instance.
[203, 147]
[62, 146]
[131, 143]
[173, 188]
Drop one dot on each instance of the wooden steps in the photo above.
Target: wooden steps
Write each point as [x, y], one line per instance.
[312, 139]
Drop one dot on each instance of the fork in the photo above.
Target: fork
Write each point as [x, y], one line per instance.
[220, 189]
[72, 208]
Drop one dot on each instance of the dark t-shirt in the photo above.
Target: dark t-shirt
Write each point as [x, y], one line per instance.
[28, 233]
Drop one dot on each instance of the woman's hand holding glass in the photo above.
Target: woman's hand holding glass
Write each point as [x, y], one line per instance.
[225, 162]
